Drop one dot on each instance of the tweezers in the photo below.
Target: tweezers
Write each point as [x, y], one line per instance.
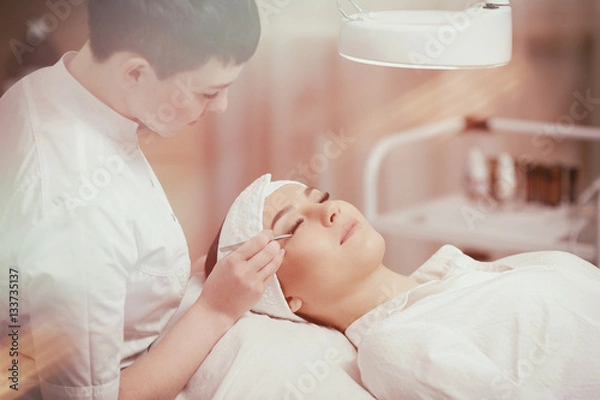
[232, 247]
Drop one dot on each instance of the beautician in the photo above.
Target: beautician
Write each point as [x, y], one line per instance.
[102, 259]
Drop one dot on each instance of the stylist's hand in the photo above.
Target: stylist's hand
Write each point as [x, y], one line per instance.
[239, 280]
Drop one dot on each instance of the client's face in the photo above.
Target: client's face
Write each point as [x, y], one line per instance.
[333, 247]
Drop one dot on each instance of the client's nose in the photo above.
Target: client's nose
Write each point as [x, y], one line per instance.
[331, 212]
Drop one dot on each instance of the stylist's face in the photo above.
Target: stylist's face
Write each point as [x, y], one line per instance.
[166, 106]
[333, 247]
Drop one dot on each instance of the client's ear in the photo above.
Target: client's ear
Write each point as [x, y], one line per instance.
[294, 303]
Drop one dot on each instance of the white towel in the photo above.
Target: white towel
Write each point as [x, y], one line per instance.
[244, 221]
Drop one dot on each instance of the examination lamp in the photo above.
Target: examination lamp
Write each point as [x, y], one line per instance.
[479, 36]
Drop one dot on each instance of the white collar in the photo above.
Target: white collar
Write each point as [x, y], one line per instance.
[69, 92]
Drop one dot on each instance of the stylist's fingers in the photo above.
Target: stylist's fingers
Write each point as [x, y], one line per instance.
[271, 267]
[238, 280]
[254, 245]
[265, 256]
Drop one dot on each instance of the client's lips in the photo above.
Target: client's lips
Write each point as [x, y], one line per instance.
[348, 229]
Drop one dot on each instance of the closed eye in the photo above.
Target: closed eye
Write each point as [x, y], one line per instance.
[296, 225]
[210, 96]
[299, 221]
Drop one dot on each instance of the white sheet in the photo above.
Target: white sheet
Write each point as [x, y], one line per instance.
[525, 327]
[265, 358]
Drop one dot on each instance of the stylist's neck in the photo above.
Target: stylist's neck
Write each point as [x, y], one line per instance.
[100, 79]
[379, 287]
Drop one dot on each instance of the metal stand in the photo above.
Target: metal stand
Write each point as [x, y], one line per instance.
[457, 126]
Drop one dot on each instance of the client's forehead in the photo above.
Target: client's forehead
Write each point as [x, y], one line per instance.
[280, 199]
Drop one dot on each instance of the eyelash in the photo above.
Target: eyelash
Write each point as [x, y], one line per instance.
[297, 224]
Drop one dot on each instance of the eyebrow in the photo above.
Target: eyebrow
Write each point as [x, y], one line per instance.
[287, 208]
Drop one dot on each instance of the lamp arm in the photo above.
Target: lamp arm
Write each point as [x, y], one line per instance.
[344, 13]
[496, 4]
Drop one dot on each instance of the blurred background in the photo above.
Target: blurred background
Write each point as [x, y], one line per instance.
[297, 99]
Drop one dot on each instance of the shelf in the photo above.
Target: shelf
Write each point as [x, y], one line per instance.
[453, 219]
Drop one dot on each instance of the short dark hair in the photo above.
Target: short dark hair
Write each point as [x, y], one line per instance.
[211, 255]
[175, 35]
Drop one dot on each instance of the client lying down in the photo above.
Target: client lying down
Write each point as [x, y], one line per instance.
[526, 326]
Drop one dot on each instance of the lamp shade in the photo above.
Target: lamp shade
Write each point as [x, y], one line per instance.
[478, 37]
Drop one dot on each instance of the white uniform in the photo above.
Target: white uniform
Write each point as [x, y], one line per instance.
[102, 261]
[524, 327]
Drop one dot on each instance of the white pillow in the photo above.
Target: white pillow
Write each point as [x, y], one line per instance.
[265, 358]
